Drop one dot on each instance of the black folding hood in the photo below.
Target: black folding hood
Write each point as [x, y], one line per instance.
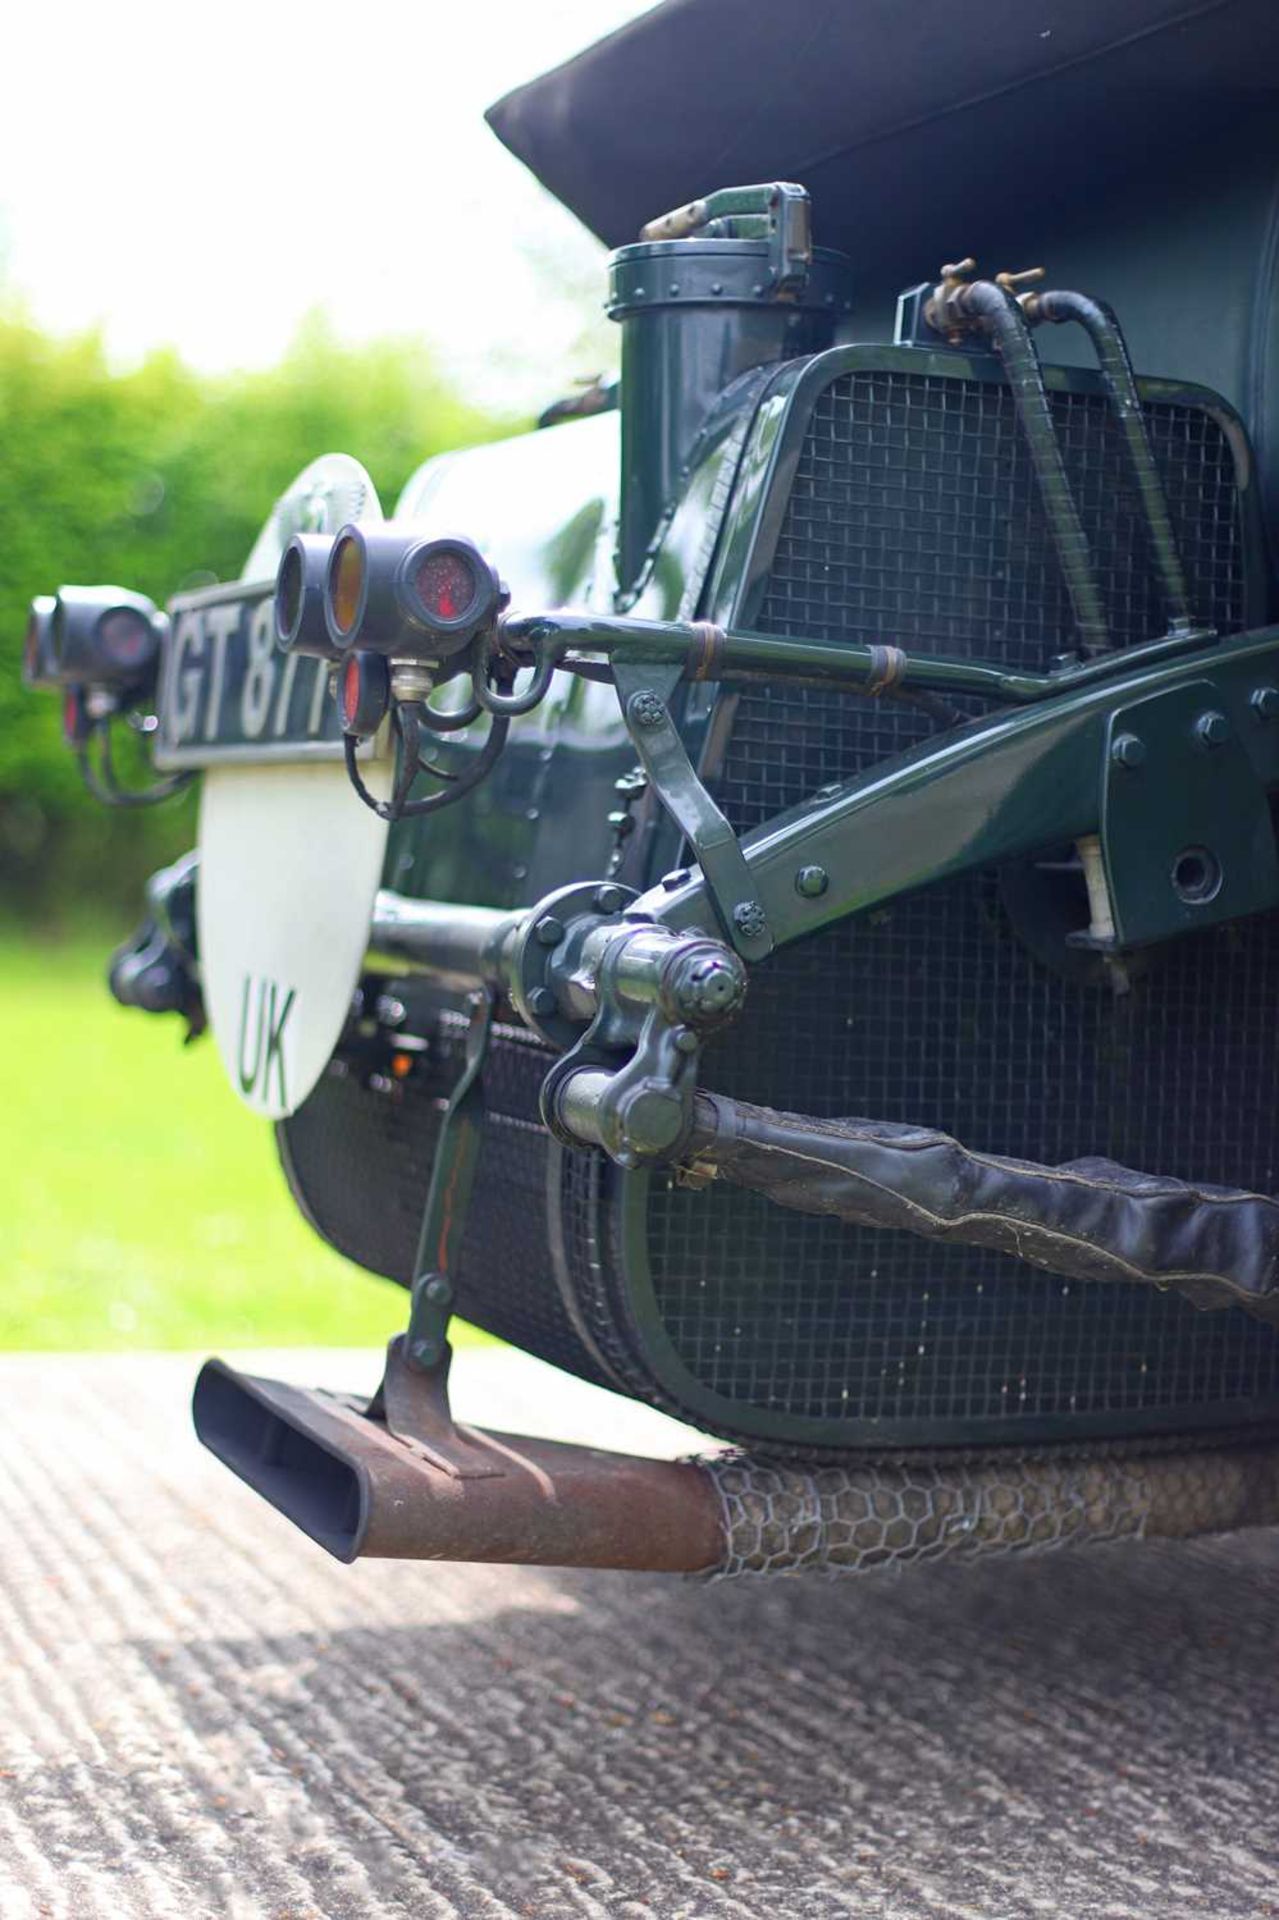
[897, 118]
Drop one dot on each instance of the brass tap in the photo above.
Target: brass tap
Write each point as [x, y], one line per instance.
[1013, 282]
[939, 310]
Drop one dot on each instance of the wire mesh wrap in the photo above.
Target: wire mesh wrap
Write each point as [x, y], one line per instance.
[359, 1164]
[887, 1514]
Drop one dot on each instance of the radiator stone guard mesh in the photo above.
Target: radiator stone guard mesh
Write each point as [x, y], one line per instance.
[913, 516]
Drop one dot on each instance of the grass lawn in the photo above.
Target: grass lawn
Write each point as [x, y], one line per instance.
[143, 1206]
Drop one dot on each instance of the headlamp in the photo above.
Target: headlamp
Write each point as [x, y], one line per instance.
[395, 593]
[97, 637]
[300, 626]
[38, 667]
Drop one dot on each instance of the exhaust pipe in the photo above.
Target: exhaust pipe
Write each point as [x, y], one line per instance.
[345, 1478]
[360, 1491]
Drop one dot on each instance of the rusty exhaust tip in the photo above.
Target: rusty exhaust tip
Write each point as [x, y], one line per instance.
[357, 1488]
[274, 1438]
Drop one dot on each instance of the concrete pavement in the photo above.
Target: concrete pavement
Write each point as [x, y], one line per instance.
[203, 1716]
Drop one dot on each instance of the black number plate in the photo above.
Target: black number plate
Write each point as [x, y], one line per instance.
[228, 693]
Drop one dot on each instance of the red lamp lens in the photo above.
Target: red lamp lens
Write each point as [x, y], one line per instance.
[126, 638]
[351, 691]
[446, 585]
[74, 719]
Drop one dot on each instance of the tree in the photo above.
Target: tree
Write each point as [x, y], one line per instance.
[158, 479]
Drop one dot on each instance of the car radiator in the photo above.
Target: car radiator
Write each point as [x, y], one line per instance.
[913, 518]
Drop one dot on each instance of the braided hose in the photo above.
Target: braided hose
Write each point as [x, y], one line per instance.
[987, 308]
[1113, 359]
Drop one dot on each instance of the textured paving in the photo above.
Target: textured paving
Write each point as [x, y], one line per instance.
[201, 1715]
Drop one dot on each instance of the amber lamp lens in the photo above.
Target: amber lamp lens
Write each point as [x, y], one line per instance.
[445, 584]
[348, 579]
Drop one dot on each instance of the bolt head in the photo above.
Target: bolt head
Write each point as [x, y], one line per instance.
[750, 919]
[685, 1039]
[1265, 703]
[549, 930]
[646, 709]
[1127, 750]
[1212, 729]
[609, 899]
[438, 1291]
[651, 1118]
[812, 882]
[426, 1352]
[542, 1001]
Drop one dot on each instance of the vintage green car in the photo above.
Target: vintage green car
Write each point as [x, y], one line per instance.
[764, 891]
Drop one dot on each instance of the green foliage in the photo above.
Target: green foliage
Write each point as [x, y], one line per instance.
[150, 1211]
[158, 479]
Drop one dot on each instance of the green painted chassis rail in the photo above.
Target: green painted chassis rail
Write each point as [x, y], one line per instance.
[997, 788]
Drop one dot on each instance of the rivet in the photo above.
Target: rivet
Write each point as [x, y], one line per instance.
[1265, 703]
[1212, 729]
[438, 1291]
[549, 930]
[686, 1040]
[812, 882]
[610, 899]
[1127, 750]
[542, 1001]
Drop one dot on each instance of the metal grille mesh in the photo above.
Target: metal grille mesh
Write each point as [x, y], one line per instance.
[914, 519]
[360, 1162]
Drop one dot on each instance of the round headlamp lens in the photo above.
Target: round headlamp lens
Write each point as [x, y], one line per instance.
[288, 595]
